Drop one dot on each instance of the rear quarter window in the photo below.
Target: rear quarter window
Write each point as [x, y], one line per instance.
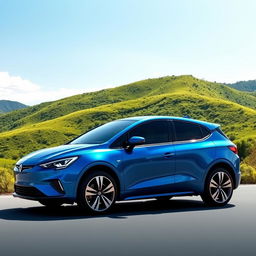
[186, 131]
[205, 131]
[221, 132]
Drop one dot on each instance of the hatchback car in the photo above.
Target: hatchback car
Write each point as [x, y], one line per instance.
[133, 158]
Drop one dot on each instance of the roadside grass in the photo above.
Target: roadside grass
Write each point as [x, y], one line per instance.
[6, 175]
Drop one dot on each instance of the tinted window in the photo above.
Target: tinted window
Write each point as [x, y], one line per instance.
[221, 132]
[120, 142]
[153, 132]
[205, 131]
[187, 131]
[103, 133]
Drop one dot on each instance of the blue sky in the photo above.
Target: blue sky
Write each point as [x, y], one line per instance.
[54, 48]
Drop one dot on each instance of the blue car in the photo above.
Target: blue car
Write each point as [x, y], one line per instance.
[134, 158]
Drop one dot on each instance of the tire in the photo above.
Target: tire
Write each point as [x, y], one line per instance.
[51, 203]
[97, 192]
[219, 186]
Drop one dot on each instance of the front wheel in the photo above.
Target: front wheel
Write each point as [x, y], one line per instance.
[218, 188]
[97, 192]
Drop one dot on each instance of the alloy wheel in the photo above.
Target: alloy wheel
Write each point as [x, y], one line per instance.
[220, 187]
[100, 193]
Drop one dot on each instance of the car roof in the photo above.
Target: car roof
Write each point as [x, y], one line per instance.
[211, 126]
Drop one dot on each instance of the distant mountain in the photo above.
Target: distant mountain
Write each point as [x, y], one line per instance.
[249, 86]
[8, 106]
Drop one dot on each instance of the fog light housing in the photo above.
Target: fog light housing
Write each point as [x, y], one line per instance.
[57, 185]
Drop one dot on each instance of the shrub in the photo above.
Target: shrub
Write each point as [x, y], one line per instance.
[244, 149]
[248, 174]
[6, 180]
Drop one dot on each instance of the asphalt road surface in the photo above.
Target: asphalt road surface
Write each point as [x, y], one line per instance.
[182, 226]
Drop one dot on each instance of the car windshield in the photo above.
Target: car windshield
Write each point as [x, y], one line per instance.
[103, 133]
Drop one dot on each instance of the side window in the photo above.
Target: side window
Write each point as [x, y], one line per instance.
[120, 142]
[221, 132]
[187, 131]
[153, 132]
[205, 131]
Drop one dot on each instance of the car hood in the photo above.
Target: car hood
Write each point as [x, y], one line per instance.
[44, 155]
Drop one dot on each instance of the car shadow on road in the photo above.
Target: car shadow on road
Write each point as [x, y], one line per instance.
[120, 210]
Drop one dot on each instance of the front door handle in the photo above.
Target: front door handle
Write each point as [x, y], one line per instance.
[168, 154]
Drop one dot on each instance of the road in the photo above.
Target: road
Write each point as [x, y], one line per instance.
[182, 226]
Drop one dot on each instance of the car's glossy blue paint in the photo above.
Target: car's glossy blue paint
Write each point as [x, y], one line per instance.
[174, 168]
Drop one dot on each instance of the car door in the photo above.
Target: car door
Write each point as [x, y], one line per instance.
[194, 152]
[150, 167]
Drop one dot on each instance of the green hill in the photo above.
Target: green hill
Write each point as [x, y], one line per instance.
[8, 106]
[249, 86]
[238, 122]
[145, 88]
[53, 123]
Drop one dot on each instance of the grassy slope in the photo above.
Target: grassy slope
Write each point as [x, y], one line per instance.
[236, 120]
[53, 123]
[145, 88]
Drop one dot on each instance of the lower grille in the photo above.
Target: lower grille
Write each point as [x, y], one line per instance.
[28, 191]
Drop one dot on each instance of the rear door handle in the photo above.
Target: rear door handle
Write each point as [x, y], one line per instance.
[168, 154]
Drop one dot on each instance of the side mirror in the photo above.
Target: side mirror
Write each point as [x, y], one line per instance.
[134, 141]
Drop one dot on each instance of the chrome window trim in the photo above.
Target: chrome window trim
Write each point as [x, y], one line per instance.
[154, 144]
[192, 141]
[175, 142]
[169, 143]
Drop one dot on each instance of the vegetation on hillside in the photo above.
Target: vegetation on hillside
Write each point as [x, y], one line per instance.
[146, 88]
[248, 167]
[6, 175]
[54, 123]
[249, 86]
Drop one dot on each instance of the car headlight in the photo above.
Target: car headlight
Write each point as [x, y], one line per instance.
[60, 163]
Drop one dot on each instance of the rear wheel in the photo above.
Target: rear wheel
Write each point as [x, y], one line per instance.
[50, 203]
[219, 187]
[97, 192]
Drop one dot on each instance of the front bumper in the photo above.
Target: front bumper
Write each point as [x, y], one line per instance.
[37, 183]
[63, 199]
[32, 193]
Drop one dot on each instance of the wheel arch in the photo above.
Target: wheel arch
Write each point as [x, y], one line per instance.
[100, 167]
[222, 164]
